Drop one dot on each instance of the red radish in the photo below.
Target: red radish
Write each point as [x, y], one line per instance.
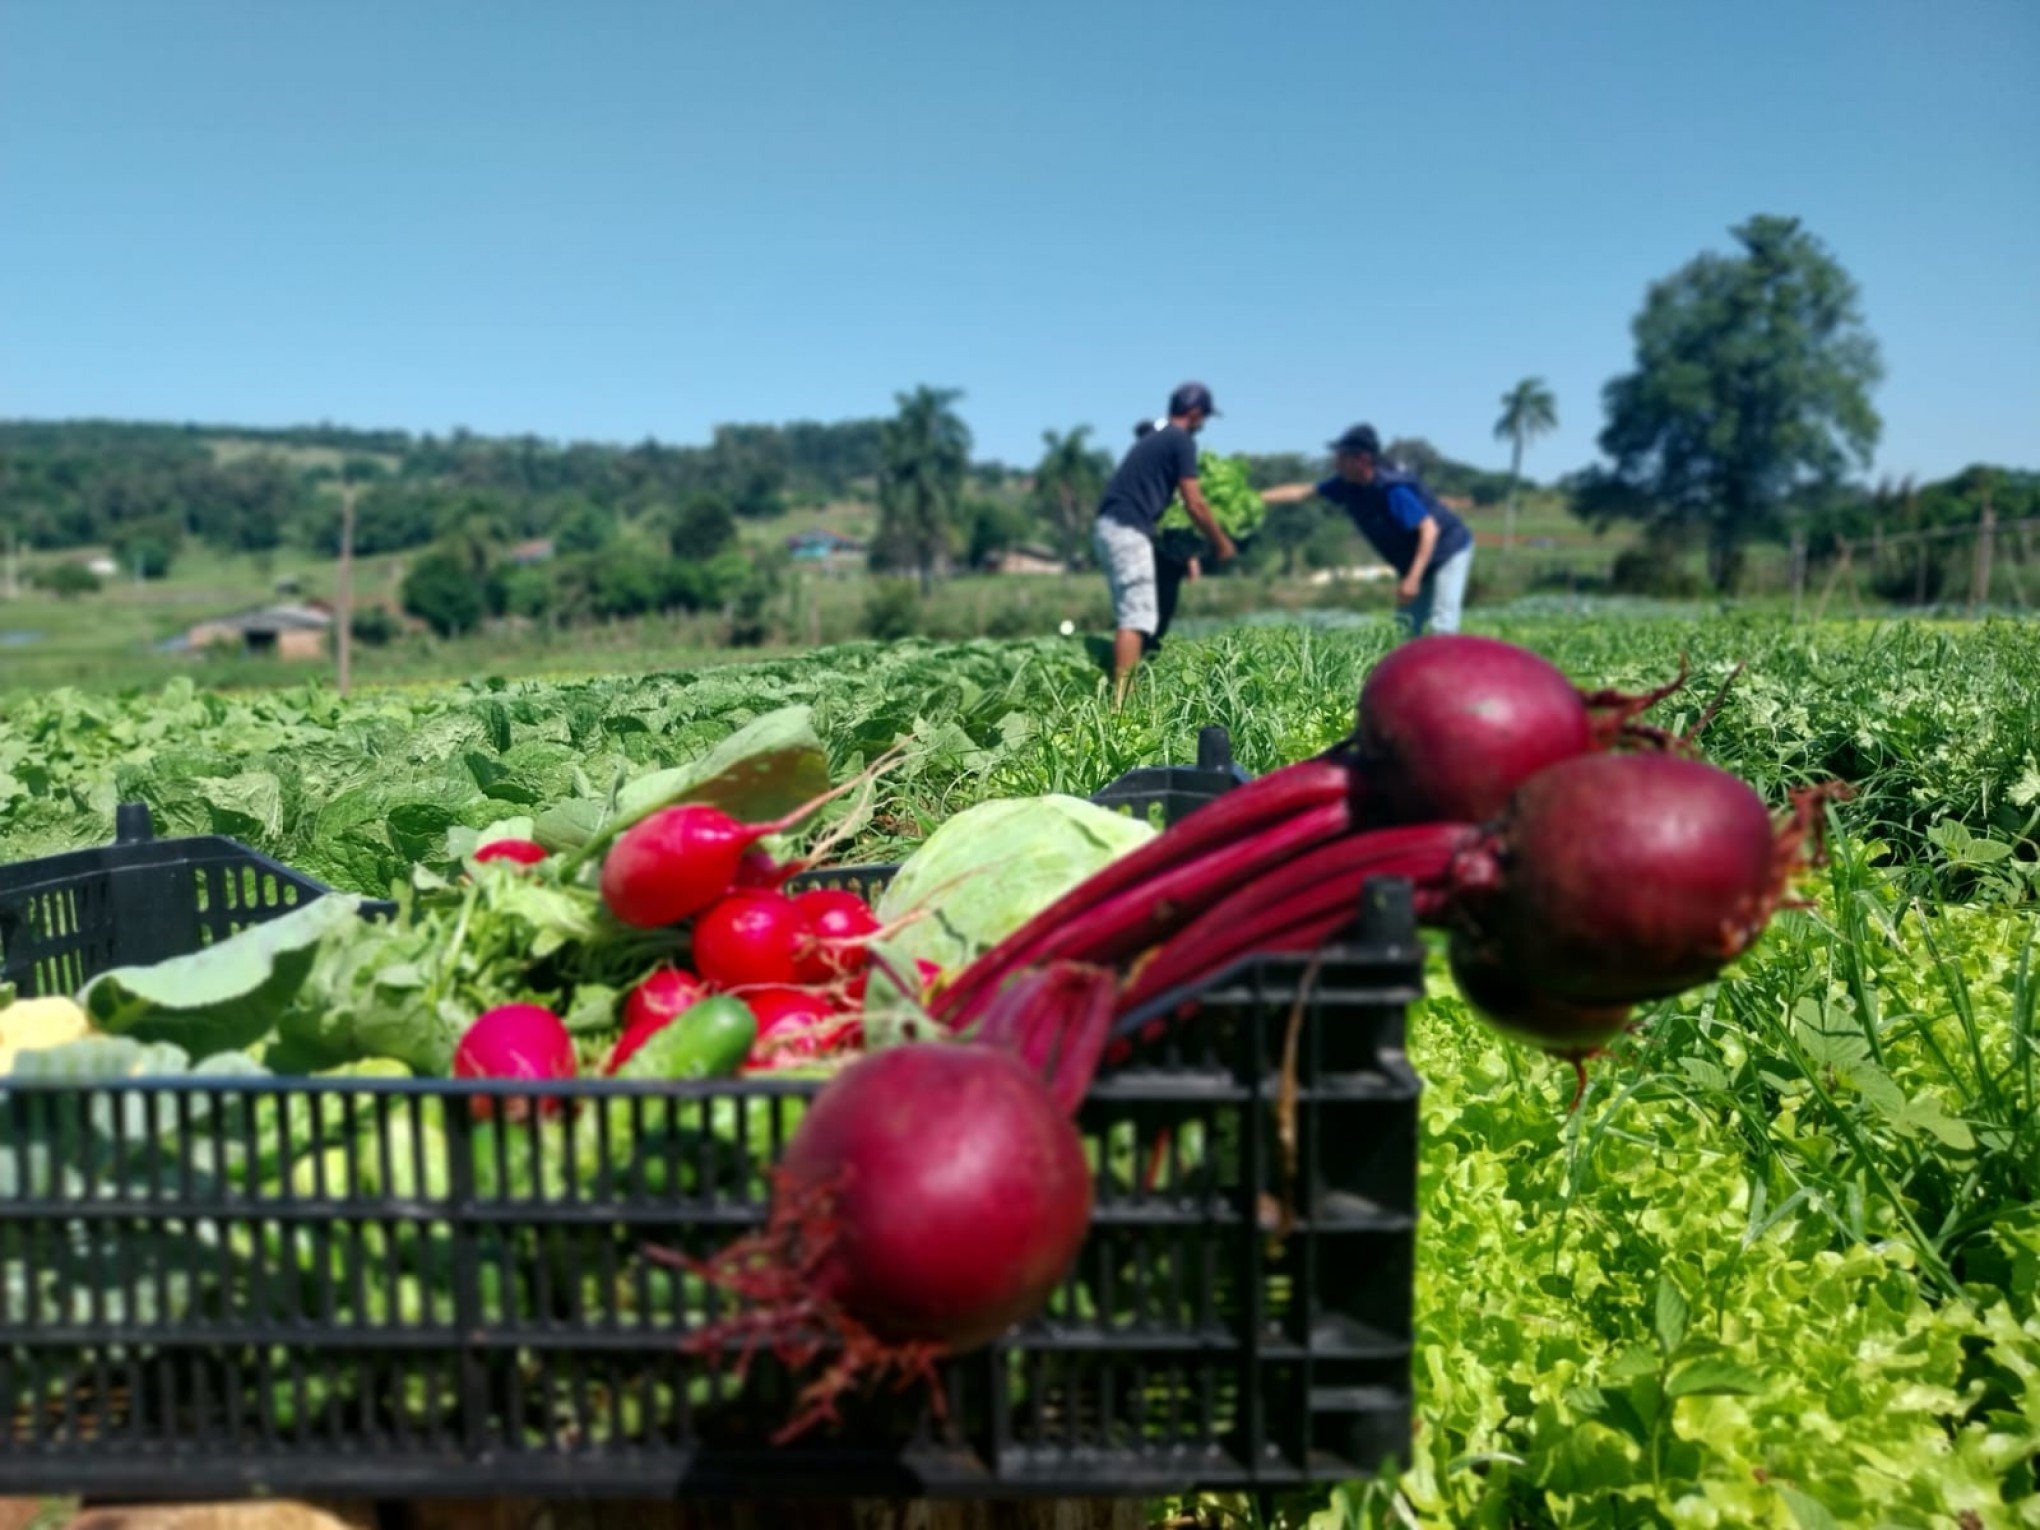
[653, 1005]
[750, 938]
[838, 922]
[1450, 726]
[796, 1024]
[757, 869]
[519, 852]
[515, 1041]
[1630, 877]
[679, 860]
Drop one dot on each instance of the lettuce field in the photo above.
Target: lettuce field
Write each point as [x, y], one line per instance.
[1781, 1266]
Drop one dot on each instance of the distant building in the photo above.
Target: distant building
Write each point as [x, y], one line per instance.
[538, 550]
[297, 632]
[831, 550]
[1028, 560]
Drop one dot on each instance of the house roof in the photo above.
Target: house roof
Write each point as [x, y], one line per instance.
[823, 537]
[274, 619]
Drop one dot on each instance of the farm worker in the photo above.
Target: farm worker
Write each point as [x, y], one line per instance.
[1161, 464]
[1427, 545]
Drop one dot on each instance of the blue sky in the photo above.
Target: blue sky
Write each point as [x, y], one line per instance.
[602, 220]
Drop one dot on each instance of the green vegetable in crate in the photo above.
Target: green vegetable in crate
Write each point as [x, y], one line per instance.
[985, 873]
[709, 1039]
[1235, 505]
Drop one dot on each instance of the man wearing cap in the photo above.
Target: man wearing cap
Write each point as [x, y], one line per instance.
[1161, 464]
[1427, 545]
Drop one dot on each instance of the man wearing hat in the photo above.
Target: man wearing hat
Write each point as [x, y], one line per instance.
[1161, 464]
[1427, 545]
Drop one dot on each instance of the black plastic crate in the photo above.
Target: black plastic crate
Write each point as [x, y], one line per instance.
[228, 1286]
[67, 918]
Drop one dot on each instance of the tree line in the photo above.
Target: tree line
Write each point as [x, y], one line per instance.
[1745, 416]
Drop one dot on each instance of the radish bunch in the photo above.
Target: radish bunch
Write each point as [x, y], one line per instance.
[796, 960]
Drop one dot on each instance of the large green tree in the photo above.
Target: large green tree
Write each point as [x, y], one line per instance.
[1068, 482]
[1752, 384]
[1529, 410]
[925, 453]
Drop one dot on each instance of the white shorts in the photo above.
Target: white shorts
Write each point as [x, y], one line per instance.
[1128, 558]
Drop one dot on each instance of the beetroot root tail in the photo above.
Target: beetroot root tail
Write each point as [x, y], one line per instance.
[775, 1275]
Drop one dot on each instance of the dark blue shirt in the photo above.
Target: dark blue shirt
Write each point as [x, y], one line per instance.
[1148, 476]
[1388, 512]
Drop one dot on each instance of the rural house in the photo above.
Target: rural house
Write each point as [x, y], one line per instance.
[831, 550]
[1028, 560]
[288, 631]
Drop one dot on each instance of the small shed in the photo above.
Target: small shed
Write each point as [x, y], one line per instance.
[1028, 560]
[538, 550]
[832, 550]
[297, 632]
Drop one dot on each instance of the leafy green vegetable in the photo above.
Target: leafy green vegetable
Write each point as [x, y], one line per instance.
[762, 771]
[226, 996]
[986, 872]
[1238, 510]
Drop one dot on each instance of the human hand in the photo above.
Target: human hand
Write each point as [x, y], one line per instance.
[1407, 592]
[1226, 551]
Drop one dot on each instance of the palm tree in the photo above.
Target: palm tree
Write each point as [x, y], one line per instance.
[924, 454]
[1067, 483]
[1529, 410]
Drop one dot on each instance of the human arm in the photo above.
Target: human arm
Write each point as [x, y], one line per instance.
[1200, 512]
[1287, 493]
[1427, 542]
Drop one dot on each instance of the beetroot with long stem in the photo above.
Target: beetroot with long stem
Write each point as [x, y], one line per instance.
[1448, 727]
[1612, 879]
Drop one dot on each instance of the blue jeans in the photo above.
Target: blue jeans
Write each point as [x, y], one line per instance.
[1441, 596]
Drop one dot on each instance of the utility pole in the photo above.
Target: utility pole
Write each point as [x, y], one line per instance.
[343, 594]
[1986, 534]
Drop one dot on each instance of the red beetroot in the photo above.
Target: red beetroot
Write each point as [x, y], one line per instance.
[961, 1194]
[1629, 877]
[1450, 726]
[750, 938]
[518, 852]
[653, 1005]
[838, 923]
[515, 1041]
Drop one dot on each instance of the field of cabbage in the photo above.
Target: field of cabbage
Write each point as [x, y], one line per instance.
[1779, 1268]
